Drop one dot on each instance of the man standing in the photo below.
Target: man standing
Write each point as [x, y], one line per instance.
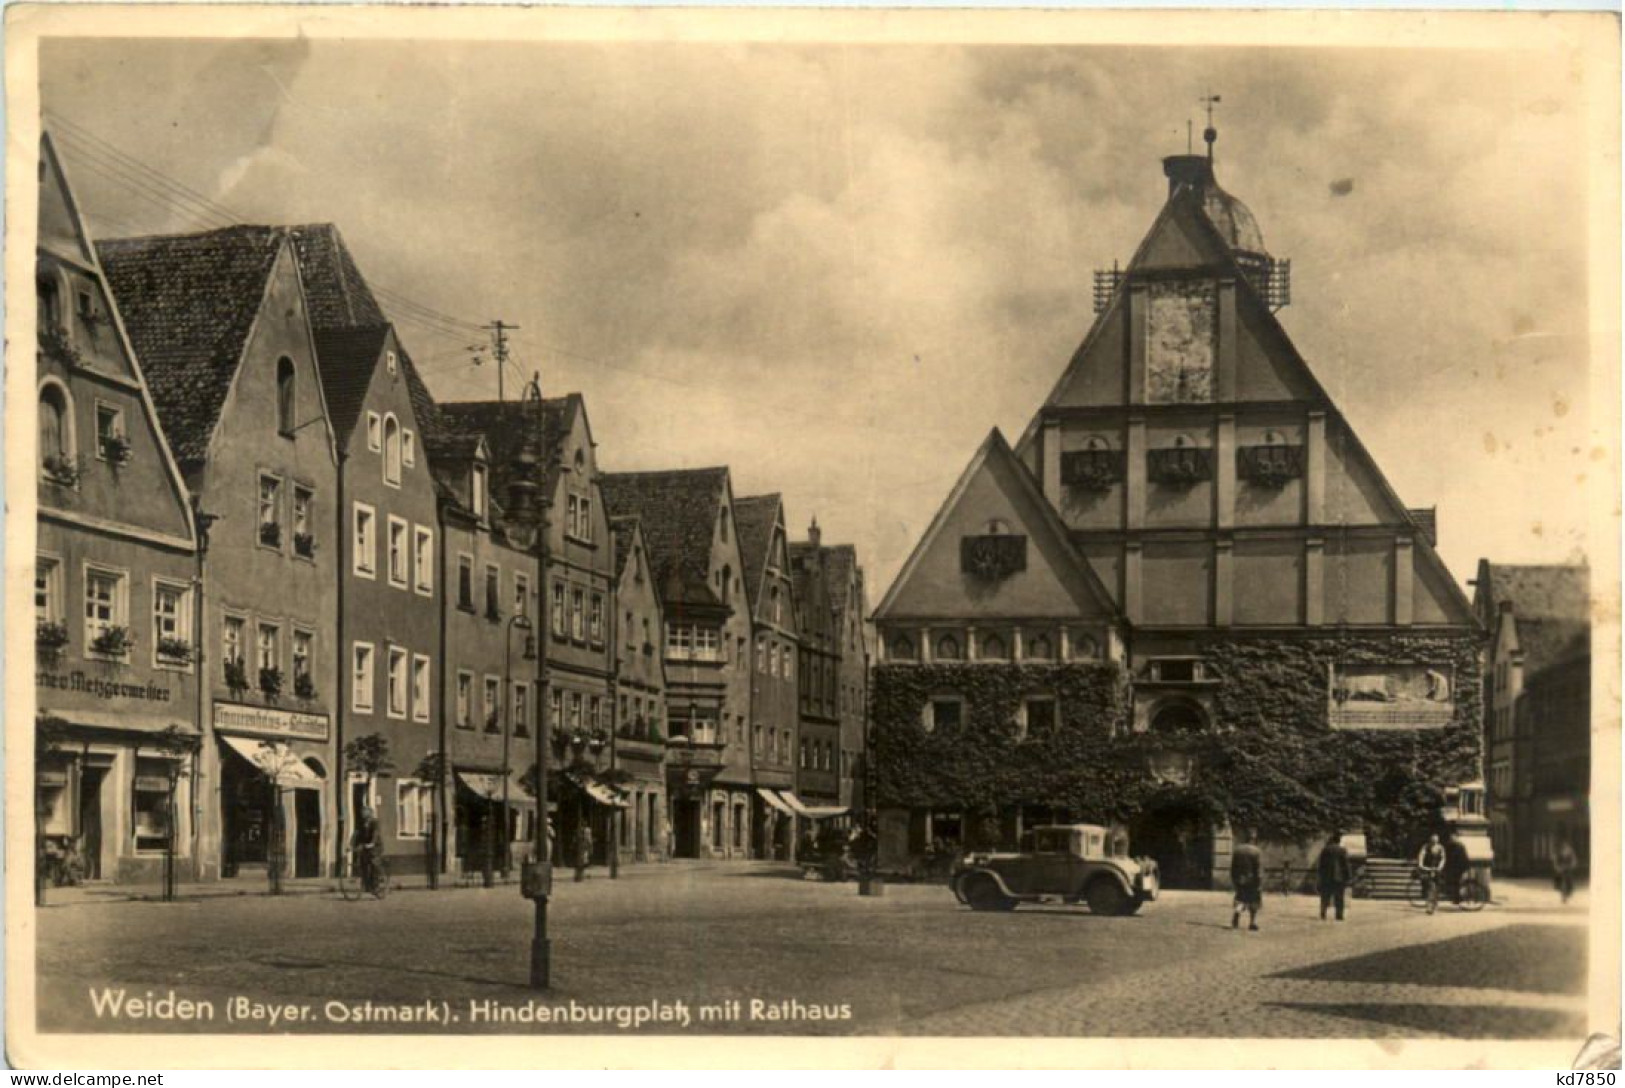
[583, 851]
[1564, 863]
[1334, 875]
[1247, 875]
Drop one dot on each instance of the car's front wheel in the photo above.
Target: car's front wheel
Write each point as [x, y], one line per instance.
[982, 893]
[1106, 897]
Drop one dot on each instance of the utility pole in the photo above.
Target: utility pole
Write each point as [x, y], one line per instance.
[499, 331]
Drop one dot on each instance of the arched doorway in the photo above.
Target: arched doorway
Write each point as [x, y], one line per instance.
[1175, 831]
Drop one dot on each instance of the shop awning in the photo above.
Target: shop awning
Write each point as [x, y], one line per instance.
[489, 786]
[599, 792]
[812, 812]
[128, 721]
[271, 757]
[775, 801]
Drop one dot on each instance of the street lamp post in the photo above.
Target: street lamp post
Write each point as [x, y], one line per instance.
[521, 621]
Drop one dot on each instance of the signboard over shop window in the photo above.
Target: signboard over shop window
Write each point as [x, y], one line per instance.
[1391, 696]
[264, 721]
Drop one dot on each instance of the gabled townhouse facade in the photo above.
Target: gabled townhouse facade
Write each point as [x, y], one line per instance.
[640, 697]
[1537, 697]
[687, 518]
[774, 672]
[220, 324]
[115, 582]
[491, 682]
[818, 693]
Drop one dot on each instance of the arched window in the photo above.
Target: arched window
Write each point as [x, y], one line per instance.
[56, 437]
[947, 648]
[992, 647]
[392, 451]
[285, 399]
[1040, 648]
[902, 648]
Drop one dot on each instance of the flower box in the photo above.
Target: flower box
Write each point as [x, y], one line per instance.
[50, 637]
[1180, 466]
[62, 470]
[175, 650]
[271, 534]
[304, 545]
[994, 556]
[1091, 470]
[116, 449]
[113, 641]
[1269, 466]
[236, 676]
[54, 344]
[492, 723]
[271, 683]
[304, 686]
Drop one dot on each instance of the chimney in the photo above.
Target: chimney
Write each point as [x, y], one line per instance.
[1427, 523]
[1192, 170]
[814, 533]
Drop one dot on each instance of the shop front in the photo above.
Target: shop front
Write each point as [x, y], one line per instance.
[495, 820]
[274, 796]
[109, 796]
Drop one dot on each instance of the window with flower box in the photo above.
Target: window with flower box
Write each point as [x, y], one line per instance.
[269, 644]
[112, 444]
[50, 632]
[304, 653]
[107, 632]
[304, 525]
[233, 634]
[493, 704]
[270, 512]
[172, 623]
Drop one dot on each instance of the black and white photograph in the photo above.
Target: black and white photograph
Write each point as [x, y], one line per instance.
[1060, 530]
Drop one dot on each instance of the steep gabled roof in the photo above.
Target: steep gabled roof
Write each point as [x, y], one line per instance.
[1077, 584]
[189, 302]
[338, 297]
[1548, 642]
[625, 531]
[1542, 591]
[678, 509]
[347, 359]
[754, 519]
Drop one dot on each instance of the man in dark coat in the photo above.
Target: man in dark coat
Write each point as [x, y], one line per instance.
[1334, 875]
[1247, 876]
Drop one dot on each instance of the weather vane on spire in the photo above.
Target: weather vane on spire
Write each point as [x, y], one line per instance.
[1210, 134]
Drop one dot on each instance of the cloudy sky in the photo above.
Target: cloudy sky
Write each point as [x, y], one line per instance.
[834, 268]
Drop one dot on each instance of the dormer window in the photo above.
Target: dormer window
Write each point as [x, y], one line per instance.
[476, 488]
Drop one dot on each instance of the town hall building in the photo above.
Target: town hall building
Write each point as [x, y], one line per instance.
[1186, 601]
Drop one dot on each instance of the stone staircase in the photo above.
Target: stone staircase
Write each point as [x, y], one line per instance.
[1390, 877]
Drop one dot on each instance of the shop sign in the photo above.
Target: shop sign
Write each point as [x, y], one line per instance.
[264, 721]
[1391, 697]
[80, 681]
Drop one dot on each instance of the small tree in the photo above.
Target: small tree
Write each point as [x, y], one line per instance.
[49, 734]
[432, 768]
[179, 745]
[369, 756]
[274, 761]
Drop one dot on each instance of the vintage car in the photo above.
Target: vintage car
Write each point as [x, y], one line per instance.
[1069, 862]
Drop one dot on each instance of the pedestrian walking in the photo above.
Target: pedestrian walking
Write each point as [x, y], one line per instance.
[1564, 863]
[1247, 876]
[1335, 874]
[583, 852]
[1430, 867]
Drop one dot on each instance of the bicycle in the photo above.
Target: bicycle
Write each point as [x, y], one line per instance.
[368, 875]
[1471, 895]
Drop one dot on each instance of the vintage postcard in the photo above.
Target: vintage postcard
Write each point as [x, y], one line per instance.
[914, 538]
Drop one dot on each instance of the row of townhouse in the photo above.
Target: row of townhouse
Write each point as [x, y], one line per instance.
[278, 583]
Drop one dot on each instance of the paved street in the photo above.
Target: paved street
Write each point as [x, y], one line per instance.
[911, 962]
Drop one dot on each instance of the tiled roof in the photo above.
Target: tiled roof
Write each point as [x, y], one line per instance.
[338, 297]
[1542, 591]
[346, 359]
[754, 518]
[1552, 642]
[335, 291]
[623, 529]
[188, 302]
[678, 510]
[842, 561]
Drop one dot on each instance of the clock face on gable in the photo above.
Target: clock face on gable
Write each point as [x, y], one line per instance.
[1179, 342]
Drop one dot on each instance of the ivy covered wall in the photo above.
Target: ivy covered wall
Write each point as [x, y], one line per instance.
[1270, 761]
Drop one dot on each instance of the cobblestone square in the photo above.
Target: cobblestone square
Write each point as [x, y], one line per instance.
[804, 957]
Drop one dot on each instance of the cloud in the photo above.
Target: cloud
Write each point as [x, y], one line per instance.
[835, 268]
